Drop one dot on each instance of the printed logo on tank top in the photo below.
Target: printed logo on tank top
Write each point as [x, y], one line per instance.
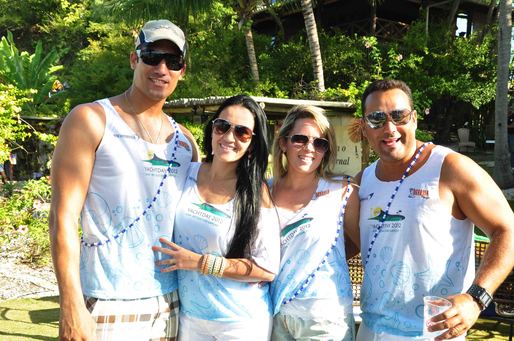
[419, 193]
[295, 229]
[392, 222]
[322, 193]
[207, 213]
[157, 166]
[124, 136]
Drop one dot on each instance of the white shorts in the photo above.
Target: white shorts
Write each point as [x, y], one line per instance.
[193, 329]
[290, 328]
[366, 334]
[153, 318]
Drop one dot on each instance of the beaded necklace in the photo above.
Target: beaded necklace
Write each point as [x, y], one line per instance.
[340, 221]
[150, 205]
[388, 206]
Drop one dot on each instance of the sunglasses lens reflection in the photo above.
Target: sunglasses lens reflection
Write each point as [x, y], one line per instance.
[320, 144]
[377, 119]
[221, 127]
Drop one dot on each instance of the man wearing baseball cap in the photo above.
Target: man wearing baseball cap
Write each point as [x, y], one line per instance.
[119, 166]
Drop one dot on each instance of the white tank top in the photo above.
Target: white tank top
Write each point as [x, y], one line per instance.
[125, 181]
[420, 250]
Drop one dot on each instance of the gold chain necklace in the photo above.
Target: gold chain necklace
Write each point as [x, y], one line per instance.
[149, 152]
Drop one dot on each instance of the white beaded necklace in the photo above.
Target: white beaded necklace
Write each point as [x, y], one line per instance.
[340, 222]
[388, 206]
[124, 230]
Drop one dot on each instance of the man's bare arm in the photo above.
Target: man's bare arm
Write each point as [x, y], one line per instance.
[478, 198]
[72, 166]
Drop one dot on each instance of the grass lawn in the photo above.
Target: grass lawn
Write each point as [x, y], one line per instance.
[37, 319]
[29, 319]
[488, 330]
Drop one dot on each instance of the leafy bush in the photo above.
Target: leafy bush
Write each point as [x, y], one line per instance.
[424, 135]
[102, 69]
[196, 129]
[24, 209]
[11, 127]
[26, 71]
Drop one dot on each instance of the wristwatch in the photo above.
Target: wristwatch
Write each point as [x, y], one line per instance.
[480, 295]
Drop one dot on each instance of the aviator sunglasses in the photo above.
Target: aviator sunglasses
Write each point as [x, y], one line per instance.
[299, 141]
[173, 62]
[377, 119]
[221, 127]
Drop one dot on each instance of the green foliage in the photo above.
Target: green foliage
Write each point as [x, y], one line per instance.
[24, 215]
[276, 66]
[28, 71]
[102, 69]
[424, 135]
[21, 18]
[137, 11]
[11, 127]
[67, 23]
[217, 62]
[196, 129]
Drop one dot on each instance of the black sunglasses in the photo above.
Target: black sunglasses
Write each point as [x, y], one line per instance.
[174, 62]
[320, 144]
[377, 119]
[221, 127]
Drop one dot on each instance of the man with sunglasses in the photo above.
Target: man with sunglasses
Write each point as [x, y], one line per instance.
[418, 206]
[120, 165]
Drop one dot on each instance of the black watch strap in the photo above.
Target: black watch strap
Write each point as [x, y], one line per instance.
[480, 295]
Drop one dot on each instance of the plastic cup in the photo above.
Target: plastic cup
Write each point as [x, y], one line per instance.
[432, 306]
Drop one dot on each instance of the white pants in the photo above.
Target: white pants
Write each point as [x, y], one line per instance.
[193, 329]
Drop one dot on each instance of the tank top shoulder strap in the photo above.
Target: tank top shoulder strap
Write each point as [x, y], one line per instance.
[109, 110]
[434, 163]
[194, 168]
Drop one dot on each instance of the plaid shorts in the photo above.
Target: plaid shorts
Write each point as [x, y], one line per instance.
[153, 318]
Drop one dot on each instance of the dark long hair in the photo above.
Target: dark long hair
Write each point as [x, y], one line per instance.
[250, 176]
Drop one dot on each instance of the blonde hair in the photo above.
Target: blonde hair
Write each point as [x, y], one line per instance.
[326, 167]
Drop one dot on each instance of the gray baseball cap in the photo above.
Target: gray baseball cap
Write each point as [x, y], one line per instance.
[162, 29]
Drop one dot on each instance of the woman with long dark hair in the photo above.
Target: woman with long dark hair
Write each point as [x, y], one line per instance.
[226, 231]
[312, 293]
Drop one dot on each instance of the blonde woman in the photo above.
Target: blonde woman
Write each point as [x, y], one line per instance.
[312, 293]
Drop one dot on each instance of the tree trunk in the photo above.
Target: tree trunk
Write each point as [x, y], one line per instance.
[312, 37]
[251, 54]
[488, 21]
[502, 171]
[373, 27]
[451, 16]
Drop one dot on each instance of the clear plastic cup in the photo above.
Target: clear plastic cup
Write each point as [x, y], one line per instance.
[432, 306]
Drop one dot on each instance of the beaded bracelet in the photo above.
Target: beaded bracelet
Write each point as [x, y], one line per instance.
[211, 261]
[212, 265]
[223, 265]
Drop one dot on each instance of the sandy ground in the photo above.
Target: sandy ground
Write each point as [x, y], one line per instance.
[23, 280]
